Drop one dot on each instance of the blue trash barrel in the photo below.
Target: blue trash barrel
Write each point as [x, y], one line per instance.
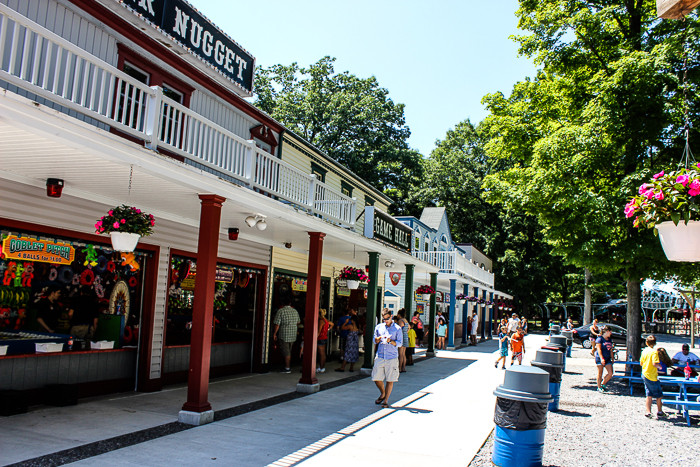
[551, 361]
[521, 417]
[554, 390]
[518, 448]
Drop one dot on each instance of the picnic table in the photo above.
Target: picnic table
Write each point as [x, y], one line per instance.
[682, 400]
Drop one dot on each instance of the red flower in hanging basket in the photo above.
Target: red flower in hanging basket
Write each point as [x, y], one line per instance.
[425, 289]
[126, 219]
[353, 274]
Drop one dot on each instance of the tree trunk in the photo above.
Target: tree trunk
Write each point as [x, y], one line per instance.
[634, 320]
[587, 311]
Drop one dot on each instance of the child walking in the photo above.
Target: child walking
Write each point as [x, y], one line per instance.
[503, 339]
[517, 341]
[411, 349]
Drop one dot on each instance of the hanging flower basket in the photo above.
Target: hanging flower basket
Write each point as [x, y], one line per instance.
[126, 225]
[426, 291]
[670, 204]
[353, 277]
[462, 298]
[680, 242]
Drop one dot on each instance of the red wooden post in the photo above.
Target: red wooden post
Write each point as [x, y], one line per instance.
[203, 304]
[313, 292]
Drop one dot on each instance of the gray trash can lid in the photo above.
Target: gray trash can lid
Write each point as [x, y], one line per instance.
[556, 328]
[568, 334]
[546, 357]
[557, 340]
[525, 383]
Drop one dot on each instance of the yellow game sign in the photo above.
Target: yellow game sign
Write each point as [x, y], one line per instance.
[299, 285]
[43, 251]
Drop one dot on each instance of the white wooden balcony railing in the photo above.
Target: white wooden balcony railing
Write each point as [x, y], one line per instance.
[41, 62]
[452, 263]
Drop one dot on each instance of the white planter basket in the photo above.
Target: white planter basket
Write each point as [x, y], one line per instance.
[48, 347]
[680, 242]
[102, 345]
[123, 241]
[353, 285]
[462, 302]
[426, 297]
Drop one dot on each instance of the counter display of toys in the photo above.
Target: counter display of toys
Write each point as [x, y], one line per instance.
[109, 282]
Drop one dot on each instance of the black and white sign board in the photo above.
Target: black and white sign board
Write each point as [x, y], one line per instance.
[185, 24]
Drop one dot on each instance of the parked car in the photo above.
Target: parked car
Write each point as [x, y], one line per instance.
[582, 335]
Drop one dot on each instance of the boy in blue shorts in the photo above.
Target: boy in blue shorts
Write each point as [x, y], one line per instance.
[503, 351]
[650, 375]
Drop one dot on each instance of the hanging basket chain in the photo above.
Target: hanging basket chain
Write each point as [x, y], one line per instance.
[687, 157]
[131, 176]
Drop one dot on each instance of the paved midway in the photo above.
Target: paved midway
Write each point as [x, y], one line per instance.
[441, 414]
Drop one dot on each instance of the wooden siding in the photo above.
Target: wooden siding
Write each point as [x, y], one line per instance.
[66, 368]
[69, 25]
[29, 204]
[222, 113]
[178, 358]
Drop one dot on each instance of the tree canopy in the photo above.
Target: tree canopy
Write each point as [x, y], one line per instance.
[604, 112]
[352, 119]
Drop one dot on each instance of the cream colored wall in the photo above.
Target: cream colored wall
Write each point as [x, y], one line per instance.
[301, 161]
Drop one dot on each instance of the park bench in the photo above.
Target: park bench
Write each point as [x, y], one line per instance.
[686, 405]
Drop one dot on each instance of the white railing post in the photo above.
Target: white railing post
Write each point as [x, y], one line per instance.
[153, 123]
[248, 162]
[353, 209]
[312, 193]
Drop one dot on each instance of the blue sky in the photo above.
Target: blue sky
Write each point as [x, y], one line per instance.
[439, 58]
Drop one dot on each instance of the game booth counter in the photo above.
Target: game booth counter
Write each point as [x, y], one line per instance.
[70, 312]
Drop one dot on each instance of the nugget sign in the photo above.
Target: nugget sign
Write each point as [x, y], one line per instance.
[190, 28]
[43, 251]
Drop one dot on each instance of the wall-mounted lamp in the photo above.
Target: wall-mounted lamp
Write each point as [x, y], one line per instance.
[54, 187]
[389, 263]
[257, 220]
[288, 245]
[233, 233]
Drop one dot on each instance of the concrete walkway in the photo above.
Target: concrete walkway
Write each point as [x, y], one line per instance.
[442, 411]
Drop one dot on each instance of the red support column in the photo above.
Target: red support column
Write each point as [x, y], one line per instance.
[203, 306]
[313, 292]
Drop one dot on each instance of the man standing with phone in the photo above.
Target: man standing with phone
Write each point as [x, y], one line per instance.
[388, 337]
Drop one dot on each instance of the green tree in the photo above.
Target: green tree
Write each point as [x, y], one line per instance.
[604, 112]
[352, 119]
[454, 175]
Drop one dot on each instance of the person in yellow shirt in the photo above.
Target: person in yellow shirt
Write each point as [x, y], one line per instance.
[411, 349]
[650, 375]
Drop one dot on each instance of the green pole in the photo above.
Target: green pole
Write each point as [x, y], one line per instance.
[433, 308]
[371, 310]
[408, 300]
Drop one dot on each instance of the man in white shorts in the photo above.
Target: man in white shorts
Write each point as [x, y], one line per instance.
[388, 336]
[475, 325]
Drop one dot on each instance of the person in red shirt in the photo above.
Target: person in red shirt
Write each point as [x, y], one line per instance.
[517, 342]
[321, 340]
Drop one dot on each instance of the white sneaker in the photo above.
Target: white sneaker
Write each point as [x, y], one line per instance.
[322, 370]
[318, 370]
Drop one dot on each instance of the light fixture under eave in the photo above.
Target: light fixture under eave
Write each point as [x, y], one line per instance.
[251, 220]
[54, 187]
[261, 225]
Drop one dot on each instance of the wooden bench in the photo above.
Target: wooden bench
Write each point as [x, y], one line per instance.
[687, 405]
